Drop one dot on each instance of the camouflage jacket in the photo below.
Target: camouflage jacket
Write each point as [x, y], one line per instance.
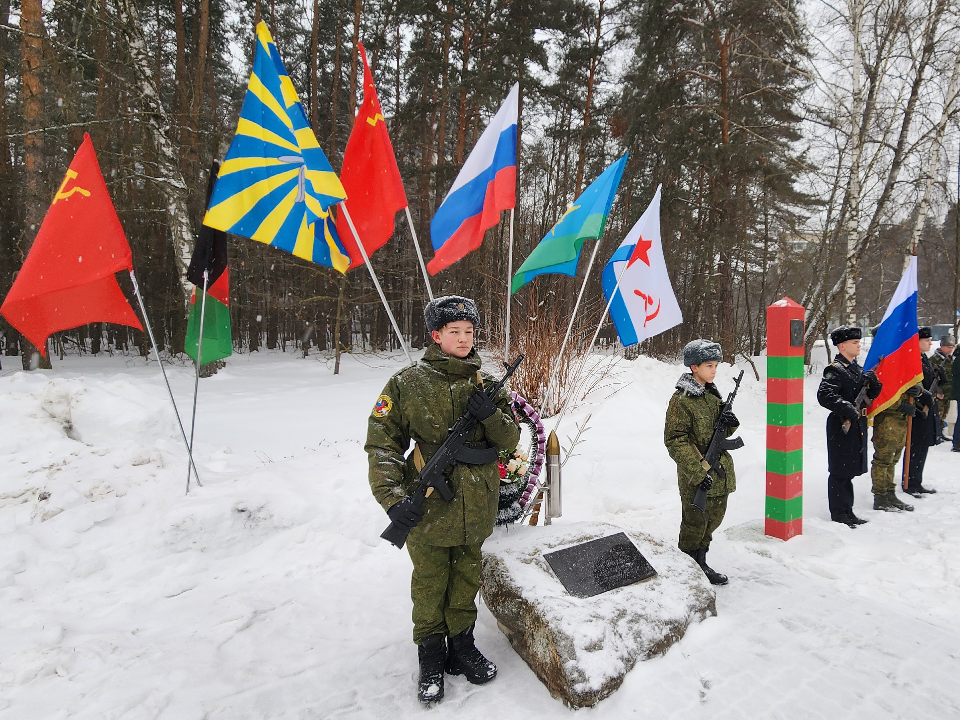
[687, 431]
[941, 359]
[421, 403]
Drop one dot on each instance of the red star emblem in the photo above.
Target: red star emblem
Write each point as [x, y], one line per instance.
[640, 252]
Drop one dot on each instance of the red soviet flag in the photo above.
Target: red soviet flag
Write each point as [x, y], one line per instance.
[370, 176]
[68, 277]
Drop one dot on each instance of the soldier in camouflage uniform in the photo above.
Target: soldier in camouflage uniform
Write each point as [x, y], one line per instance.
[688, 428]
[889, 439]
[421, 403]
[942, 359]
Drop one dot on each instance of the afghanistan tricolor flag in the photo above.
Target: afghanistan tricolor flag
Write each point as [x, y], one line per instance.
[210, 254]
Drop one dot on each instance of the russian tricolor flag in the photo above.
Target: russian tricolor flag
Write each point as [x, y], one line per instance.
[895, 352]
[485, 186]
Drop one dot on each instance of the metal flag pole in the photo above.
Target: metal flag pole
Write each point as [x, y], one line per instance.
[373, 276]
[506, 334]
[196, 382]
[416, 244]
[156, 352]
[596, 332]
[573, 315]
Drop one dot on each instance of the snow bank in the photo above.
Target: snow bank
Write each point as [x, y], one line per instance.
[268, 593]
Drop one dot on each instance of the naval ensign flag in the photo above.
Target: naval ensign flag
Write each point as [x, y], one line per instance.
[643, 303]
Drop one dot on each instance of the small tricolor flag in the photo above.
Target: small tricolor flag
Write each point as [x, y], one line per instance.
[485, 186]
[559, 251]
[68, 277]
[275, 184]
[895, 350]
[210, 255]
[643, 303]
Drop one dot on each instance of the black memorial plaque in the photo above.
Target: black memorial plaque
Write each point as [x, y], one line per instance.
[796, 333]
[600, 565]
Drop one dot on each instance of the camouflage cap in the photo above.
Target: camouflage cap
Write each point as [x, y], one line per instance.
[448, 309]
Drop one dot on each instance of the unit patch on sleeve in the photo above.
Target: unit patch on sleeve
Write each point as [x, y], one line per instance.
[383, 406]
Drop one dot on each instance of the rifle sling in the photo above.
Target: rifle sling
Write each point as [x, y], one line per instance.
[468, 455]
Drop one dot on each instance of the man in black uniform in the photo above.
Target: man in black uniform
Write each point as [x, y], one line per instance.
[926, 423]
[846, 425]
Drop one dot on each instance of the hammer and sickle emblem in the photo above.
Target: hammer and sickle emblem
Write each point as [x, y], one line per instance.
[648, 303]
[61, 195]
[374, 119]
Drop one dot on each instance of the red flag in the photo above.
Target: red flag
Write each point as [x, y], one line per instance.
[370, 176]
[68, 277]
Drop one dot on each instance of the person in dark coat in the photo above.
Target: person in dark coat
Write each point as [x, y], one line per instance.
[926, 423]
[843, 379]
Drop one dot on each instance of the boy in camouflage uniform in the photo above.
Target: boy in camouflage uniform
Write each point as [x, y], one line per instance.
[421, 403]
[688, 428]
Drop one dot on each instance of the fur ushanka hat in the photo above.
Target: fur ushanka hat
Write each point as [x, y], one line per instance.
[701, 351]
[448, 309]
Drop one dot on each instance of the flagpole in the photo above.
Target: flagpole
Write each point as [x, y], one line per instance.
[196, 382]
[156, 352]
[506, 342]
[603, 317]
[416, 244]
[373, 276]
[566, 337]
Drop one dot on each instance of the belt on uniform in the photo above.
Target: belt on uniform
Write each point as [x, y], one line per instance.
[469, 454]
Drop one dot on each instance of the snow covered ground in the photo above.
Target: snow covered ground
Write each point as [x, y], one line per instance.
[267, 593]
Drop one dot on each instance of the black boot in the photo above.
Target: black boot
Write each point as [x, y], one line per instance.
[463, 658]
[432, 652]
[856, 520]
[713, 576]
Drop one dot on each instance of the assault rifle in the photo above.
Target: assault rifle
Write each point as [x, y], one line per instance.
[718, 443]
[433, 474]
[860, 405]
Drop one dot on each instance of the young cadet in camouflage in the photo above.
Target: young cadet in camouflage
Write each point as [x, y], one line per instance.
[421, 403]
[942, 359]
[843, 379]
[688, 428]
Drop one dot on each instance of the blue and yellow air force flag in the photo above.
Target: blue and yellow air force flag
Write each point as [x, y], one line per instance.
[635, 281]
[275, 184]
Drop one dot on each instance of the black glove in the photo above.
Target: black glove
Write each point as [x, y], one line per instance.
[874, 386]
[729, 419]
[914, 391]
[925, 399]
[481, 406]
[849, 412]
[405, 514]
[706, 483]
[908, 408]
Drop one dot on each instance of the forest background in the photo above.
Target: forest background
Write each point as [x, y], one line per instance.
[803, 150]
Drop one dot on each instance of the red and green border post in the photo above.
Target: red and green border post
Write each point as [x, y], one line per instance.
[784, 504]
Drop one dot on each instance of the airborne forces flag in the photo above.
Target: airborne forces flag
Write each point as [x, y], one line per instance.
[210, 255]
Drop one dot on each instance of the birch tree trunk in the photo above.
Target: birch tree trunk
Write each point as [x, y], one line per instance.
[157, 123]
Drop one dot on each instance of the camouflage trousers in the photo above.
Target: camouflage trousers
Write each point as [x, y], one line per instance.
[696, 528]
[444, 588]
[944, 408]
[889, 437]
